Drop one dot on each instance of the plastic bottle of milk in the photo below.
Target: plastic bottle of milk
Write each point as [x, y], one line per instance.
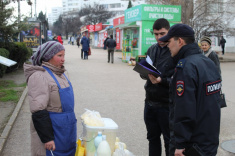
[104, 148]
[97, 141]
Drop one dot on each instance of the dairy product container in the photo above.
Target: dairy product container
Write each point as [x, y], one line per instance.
[90, 132]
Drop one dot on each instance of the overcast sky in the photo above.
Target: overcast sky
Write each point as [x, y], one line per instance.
[42, 5]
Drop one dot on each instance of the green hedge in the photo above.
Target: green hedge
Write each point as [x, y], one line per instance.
[19, 53]
[4, 53]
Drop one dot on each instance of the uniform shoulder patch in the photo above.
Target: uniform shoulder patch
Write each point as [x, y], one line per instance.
[180, 88]
[213, 87]
[181, 63]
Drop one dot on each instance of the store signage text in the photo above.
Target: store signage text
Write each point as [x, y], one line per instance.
[132, 14]
[156, 15]
[161, 9]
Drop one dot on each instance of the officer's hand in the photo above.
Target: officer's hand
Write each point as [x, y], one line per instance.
[50, 145]
[154, 80]
[179, 152]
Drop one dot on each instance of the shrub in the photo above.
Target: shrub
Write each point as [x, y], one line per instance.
[19, 53]
[4, 53]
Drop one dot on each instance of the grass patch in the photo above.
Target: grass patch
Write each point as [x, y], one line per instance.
[7, 92]
[9, 95]
[5, 84]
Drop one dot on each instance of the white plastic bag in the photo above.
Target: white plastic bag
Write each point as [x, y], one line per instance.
[92, 118]
[121, 151]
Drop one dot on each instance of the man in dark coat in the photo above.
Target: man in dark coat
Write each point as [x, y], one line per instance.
[222, 44]
[85, 46]
[105, 41]
[194, 95]
[156, 110]
[111, 44]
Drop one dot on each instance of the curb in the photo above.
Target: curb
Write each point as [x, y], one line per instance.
[11, 121]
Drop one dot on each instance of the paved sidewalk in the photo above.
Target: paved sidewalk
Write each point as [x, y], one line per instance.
[117, 92]
[227, 57]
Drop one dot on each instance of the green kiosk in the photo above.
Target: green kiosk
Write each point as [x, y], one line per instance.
[137, 29]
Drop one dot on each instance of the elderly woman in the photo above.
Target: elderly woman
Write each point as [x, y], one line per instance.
[53, 126]
[208, 52]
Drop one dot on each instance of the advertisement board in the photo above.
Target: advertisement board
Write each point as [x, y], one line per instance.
[49, 33]
[91, 28]
[32, 37]
[102, 37]
[169, 12]
[147, 12]
[118, 38]
[98, 27]
[148, 38]
[118, 21]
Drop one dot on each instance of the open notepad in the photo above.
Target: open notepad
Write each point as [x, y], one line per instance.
[145, 67]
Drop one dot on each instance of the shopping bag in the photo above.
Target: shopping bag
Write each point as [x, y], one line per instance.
[80, 151]
[89, 51]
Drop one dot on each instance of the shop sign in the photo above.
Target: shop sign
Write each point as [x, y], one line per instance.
[118, 21]
[84, 29]
[118, 38]
[91, 28]
[133, 14]
[147, 12]
[98, 27]
[169, 12]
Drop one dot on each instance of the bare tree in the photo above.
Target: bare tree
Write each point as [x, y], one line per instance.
[94, 14]
[71, 24]
[67, 23]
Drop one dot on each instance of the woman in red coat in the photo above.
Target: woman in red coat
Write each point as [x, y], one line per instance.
[59, 38]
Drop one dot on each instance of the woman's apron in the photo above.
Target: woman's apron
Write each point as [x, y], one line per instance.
[64, 123]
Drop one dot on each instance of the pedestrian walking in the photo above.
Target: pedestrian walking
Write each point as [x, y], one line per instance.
[111, 44]
[53, 126]
[208, 52]
[194, 95]
[60, 39]
[222, 44]
[72, 40]
[105, 47]
[156, 110]
[43, 39]
[85, 46]
[78, 41]
[55, 38]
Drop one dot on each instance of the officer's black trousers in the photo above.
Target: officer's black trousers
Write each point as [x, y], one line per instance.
[157, 122]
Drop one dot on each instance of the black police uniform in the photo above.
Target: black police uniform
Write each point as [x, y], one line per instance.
[156, 111]
[195, 101]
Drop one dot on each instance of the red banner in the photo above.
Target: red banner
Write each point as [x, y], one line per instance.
[91, 28]
[118, 38]
[119, 20]
[98, 27]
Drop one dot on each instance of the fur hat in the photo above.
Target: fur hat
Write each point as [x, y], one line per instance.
[46, 51]
[206, 39]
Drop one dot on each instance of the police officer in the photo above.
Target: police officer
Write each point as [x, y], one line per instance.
[156, 111]
[195, 94]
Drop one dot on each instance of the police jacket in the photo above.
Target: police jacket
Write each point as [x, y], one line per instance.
[111, 43]
[195, 104]
[159, 93]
